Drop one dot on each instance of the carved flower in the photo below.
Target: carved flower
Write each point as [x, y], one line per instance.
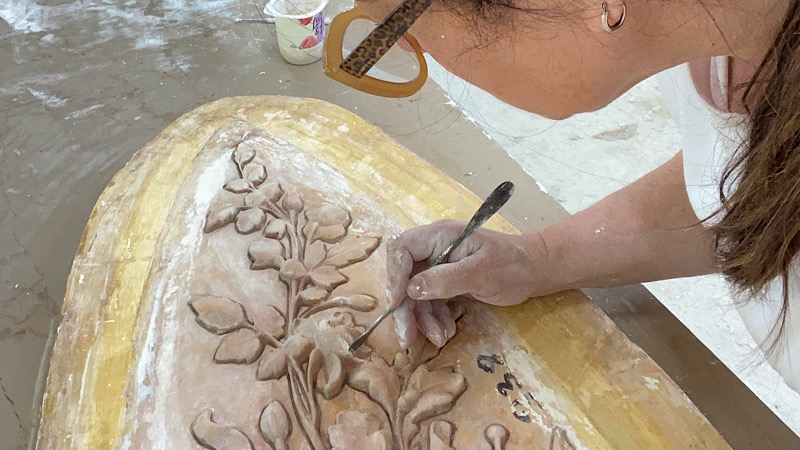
[355, 429]
[332, 222]
[332, 338]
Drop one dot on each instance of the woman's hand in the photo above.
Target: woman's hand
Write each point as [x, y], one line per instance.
[495, 268]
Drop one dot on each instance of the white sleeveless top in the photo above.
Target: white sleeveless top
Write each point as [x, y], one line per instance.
[709, 137]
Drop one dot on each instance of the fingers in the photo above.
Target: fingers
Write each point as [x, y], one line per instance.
[405, 323]
[429, 324]
[445, 281]
[442, 314]
[398, 268]
[415, 245]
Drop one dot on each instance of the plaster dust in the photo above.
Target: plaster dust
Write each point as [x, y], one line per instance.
[584, 158]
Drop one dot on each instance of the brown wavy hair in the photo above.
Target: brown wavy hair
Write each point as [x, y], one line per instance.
[758, 234]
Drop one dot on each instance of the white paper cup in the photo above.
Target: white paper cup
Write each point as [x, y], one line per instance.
[300, 25]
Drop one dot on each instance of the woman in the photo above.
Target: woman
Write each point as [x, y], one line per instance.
[729, 202]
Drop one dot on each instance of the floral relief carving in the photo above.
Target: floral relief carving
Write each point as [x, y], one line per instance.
[304, 342]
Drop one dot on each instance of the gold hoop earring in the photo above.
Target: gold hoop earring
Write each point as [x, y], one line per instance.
[604, 19]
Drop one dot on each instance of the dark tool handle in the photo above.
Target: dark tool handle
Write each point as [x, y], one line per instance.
[490, 206]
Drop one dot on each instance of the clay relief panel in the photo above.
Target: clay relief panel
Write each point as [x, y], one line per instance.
[298, 349]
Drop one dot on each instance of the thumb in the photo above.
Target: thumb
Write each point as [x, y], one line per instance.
[445, 281]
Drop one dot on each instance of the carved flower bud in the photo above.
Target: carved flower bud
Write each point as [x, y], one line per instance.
[275, 424]
[496, 435]
[293, 202]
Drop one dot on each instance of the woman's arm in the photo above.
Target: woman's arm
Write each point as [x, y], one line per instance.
[646, 231]
[643, 232]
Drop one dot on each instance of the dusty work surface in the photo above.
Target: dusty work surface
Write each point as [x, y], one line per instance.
[84, 87]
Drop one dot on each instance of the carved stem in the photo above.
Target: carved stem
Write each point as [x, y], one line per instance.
[233, 158]
[322, 307]
[292, 302]
[270, 339]
[270, 208]
[297, 305]
[310, 236]
[294, 251]
[303, 239]
[308, 425]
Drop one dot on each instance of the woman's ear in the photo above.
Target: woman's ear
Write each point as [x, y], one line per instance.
[612, 14]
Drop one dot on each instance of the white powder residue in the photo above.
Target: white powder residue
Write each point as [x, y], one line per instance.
[170, 292]
[83, 112]
[343, 128]
[651, 383]
[143, 42]
[49, 100]
[24, 16]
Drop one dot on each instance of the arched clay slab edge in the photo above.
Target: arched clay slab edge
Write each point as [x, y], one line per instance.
[589, 359]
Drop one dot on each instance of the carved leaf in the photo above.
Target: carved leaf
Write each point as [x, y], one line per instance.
[330, 222]
[437, 392]
[355, 429]
[275, 424]
[255, 199]
[299, 347]
[292, 269]
[328, 277]
[357, 302]
[441, 435]
[293, 202]
[271, 321]
[212, 435]
[219, 315]
[250, 220]
[313, 296]
[256, 174]
[315, 253]
[275, 229]
[331, 233]
[238, 186]
[378, 381]
[328, 214]
[272, 191]
[243, 346]
[244, 153]
[351, 250]
[265, 254]
[335, 376]
[272, 365]
[218, 216]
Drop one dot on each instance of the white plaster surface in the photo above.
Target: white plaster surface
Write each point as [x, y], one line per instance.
[586, 157]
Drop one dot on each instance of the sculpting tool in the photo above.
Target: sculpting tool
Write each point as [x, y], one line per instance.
[490, 206]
